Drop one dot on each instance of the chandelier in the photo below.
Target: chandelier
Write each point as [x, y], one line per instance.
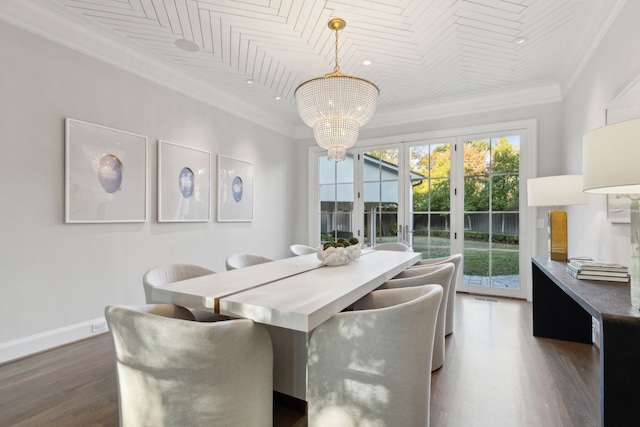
[336, 105]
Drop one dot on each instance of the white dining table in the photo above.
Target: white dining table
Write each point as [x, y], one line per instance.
[290, 297]
[295, 293]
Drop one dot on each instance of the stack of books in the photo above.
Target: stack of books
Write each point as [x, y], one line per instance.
[597, 270]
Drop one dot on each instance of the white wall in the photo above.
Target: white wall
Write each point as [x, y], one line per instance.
[55, 275]
[613, 66]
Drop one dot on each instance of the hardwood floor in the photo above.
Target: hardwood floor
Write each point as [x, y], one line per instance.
[495, 374]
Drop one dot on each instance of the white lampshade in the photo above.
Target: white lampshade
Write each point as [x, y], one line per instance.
[611, 159]
[559, 190]
[610, 164]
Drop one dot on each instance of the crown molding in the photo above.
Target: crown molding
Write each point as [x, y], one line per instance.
[58, 25]
[481, 103]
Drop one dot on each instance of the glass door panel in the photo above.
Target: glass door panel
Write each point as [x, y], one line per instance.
[336, 189]
[429, 228]
[380, 195]
[491, 214]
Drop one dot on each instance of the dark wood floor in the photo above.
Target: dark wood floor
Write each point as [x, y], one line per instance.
[496, 374]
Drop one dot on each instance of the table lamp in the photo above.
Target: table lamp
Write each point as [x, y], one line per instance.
[559, 190]
[611, 165]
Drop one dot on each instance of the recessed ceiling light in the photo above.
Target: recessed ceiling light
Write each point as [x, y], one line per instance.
[278, 98]
[250, 81]
[366, 62]
[520, 40]
[187, 45]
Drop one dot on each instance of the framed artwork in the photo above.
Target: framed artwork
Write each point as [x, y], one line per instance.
[184, 176]
[625, 106]
[105, 174]
[235, 190]
[619, 208]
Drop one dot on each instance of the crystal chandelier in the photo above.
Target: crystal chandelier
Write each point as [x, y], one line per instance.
[336, 105]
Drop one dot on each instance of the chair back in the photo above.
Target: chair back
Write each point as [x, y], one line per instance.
[163, 274]
[302, 250]
[456, 259]
[440, 274]
[392, 246]
[244, 260]
[175, 372]
[372, 365]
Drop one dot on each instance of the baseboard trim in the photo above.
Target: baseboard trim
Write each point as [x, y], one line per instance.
[27, 346]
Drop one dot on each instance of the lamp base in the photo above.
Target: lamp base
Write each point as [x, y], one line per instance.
[634, 267]
[558, 247]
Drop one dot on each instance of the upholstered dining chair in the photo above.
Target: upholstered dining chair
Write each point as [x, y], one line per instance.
[440, 274]
[302, 249]
[456, 259]
[392, 246]
[244, 260]
[359, 372]
[163, 274]
[177, 372]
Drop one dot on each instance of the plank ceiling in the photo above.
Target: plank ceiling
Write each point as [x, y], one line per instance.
[421, 50]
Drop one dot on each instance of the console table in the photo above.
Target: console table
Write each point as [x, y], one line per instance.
[562, 309]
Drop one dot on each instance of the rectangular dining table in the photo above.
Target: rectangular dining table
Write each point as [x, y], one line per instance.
[290, 297]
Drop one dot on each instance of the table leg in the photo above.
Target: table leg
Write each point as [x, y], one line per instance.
[289, 361]
[620, 371]
[556, 314]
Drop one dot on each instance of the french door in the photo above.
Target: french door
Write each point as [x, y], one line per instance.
[491, 214]
[440, 196]
[430, 223]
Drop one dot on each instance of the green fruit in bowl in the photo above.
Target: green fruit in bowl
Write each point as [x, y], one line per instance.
[339, 245]
[354, 241]
[327, 245]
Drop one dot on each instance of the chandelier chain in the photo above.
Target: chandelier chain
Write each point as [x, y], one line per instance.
[336, 69]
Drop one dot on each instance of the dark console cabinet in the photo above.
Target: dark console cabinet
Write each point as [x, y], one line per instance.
[562, 309]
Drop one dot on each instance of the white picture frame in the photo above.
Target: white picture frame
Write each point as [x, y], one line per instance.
[105, 174]
[625, 106]
[235, 189]
[619, 208]
[184, 183]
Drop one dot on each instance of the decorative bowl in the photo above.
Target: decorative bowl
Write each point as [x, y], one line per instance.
[339, 256]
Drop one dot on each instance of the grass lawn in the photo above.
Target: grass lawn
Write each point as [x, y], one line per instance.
[476, 255]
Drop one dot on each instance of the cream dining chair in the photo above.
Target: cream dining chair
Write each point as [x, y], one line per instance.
[441, 274]
[172, 371]
[360, 372]
[163, 274]
[456, 259]
[302, 250]
[392, 246]
[244, 260]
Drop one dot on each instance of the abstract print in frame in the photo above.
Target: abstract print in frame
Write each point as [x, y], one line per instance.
[235, 190]
[619, 207]
[105, 174]
[184, 176]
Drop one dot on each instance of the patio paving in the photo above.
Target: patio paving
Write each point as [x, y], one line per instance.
[511, 281]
